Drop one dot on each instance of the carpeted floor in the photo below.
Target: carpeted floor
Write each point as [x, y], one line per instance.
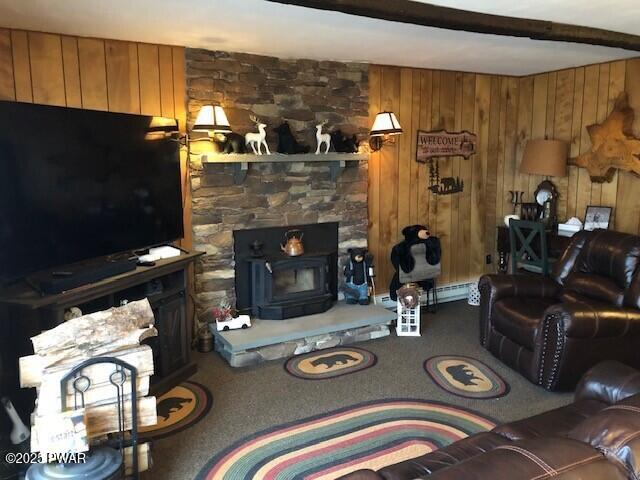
[255, 398]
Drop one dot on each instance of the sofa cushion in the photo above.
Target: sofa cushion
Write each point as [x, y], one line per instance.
[444, 457]
[596, 287]
[615, 431]
[556, 422]
[518, 318]
[535, 459]
[610, 254]
[566, 263]
[609, 382]
[632, 296]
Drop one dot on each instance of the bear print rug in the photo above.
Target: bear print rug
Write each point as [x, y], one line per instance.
[465, 377]
[179, 408]
[330, 363]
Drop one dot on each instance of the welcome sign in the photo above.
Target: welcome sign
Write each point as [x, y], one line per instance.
[445, 144]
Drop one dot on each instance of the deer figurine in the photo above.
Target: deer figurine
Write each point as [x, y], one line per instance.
[322, 138]
[257, 139]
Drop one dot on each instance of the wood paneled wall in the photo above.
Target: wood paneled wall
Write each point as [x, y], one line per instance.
[504, 112]
[96, 74]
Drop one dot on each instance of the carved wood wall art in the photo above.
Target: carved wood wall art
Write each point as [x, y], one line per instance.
[445, 144]
[613, 145]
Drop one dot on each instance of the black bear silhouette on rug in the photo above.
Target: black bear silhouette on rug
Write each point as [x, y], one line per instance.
[462, 374]
[169, 405]
[333, 360]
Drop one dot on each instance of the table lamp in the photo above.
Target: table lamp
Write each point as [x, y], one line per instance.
[548, 158]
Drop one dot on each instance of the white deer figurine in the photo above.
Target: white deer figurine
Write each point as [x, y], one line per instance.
[257, 139]
[322, 138]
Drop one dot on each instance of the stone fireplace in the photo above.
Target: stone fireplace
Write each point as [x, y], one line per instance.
[274, 286]
[274, 194]
[278, 196]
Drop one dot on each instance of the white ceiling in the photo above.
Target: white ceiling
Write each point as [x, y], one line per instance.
[258, 26]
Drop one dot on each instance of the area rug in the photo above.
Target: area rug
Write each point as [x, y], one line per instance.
[330, 363]
[324, 447]
[465, 377]
[179, 408]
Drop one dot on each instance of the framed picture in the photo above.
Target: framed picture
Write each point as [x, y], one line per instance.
[597, 217]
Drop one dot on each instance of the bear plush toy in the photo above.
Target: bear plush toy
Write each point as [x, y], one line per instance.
[357, 273]
[287, 142]
[230, 142]
[343, 143]
[401, 256]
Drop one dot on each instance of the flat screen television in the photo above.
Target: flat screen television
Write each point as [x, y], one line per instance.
[79, 184]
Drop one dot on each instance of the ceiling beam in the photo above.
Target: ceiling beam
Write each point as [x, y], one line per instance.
[407, 11]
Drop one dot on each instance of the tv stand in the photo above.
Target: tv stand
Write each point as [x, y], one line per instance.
[25, 313]
[74, 275]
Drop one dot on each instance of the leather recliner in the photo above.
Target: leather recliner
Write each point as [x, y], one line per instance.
[595, 437]
[553, 329]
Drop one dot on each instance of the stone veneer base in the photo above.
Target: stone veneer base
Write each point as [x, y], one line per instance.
[274, 339]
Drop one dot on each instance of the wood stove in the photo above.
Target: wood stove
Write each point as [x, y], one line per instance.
[285, 287]
[271, 285]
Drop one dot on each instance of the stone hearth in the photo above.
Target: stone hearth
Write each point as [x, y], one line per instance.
[271, 340]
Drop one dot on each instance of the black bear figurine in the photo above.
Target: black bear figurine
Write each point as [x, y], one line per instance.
[402, 258]
[287, 143]
[357, 276]
[342, 143]
[230, 142]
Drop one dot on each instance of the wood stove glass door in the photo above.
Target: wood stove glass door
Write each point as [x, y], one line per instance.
[297, 281]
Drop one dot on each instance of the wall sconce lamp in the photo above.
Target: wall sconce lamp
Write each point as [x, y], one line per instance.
[211, 119]
[162, 127]
[385, 128]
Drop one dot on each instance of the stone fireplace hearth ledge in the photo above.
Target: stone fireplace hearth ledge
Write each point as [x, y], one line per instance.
[273, 339]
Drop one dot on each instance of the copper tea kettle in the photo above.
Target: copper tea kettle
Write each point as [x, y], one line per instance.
[293, 243]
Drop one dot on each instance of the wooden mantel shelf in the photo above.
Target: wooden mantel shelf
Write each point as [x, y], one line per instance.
[242, 160]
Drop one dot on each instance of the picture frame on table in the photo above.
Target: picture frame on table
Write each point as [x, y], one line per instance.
[597, 217]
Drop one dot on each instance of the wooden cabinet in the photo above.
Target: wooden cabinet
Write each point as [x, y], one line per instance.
[24, 313]
[173, 343]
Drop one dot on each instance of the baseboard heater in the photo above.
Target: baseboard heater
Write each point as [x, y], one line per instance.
[450, 292]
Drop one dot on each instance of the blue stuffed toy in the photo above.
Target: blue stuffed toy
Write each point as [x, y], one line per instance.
[358, 273]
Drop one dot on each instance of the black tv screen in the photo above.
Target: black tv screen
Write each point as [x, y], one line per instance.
[78, 184]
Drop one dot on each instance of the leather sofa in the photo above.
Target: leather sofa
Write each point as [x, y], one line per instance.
[553, 329]
[595, 437]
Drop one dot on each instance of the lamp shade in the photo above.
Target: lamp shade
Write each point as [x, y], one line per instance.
[163, 124]
[161, 127]
[211, 119]
[545, 157]
[385, 123]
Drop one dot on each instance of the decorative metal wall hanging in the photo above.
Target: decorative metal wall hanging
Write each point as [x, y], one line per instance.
[445, 185]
